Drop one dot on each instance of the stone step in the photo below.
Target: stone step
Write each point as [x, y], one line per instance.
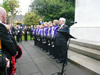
[85, 51]
[86, 62]
[88, 44]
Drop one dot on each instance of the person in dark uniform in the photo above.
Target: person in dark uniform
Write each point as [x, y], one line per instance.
[25, 33]
[13, 31]
[8, 47]
[37, 35]
[34, 32]
[19, 34]
[61, 41]
[31, 32]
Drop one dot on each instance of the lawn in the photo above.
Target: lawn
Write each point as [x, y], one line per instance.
[28, 37]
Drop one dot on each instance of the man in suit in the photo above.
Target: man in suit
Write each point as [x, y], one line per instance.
[61, 40]
[8, 47]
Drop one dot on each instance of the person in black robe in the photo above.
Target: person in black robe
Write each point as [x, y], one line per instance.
[19, 34]
[31, 32]
[25, 33]
[13, 31]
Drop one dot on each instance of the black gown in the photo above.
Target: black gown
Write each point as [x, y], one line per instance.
[8, 46]
[25, 35]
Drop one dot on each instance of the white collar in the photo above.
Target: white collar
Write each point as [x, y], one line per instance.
[62, 25]
[0, 21]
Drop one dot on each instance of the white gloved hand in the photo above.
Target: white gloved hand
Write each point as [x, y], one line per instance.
[8, 63]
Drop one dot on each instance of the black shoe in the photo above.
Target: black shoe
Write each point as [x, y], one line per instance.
[50, 56]
[58, 61]
[53, 57]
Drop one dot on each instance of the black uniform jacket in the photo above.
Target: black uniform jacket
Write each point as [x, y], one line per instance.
[8, 47]
[61, 40]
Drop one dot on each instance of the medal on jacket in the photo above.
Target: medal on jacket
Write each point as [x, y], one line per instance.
[0, 49]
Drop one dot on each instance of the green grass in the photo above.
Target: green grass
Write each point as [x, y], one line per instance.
[28, 37]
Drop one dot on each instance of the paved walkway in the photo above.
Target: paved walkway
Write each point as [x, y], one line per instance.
[36, 62]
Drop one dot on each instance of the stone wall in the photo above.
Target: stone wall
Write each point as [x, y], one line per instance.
[87, 16]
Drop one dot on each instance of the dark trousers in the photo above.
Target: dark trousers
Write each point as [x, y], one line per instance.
[35, 41]
[46, 45]
[40, 42]
[25, 36]
[62, 53]
[31, 37]
[18, 38]
[53, 46]
[57, 52]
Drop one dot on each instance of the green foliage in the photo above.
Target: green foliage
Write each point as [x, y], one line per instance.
[54, 9]
[31, 18]
[10, 6]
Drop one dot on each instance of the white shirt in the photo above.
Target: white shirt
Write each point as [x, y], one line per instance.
[61, 25]
[44, 32]
[52, 32]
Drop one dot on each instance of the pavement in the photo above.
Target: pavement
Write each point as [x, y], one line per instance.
[36, 62]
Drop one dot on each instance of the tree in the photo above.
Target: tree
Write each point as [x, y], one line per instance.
[31, 18]
[11, 6]
[54, 9]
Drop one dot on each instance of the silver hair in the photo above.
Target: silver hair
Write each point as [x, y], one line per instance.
[62, 19]
[2, 10]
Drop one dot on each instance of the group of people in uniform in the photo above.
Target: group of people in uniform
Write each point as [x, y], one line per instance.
[22, 30]
[48, 38]
[27, 31]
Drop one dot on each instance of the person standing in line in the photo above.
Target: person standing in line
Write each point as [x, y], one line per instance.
[8, 48]
[25, 33]
[31, 32]
[61, 40]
